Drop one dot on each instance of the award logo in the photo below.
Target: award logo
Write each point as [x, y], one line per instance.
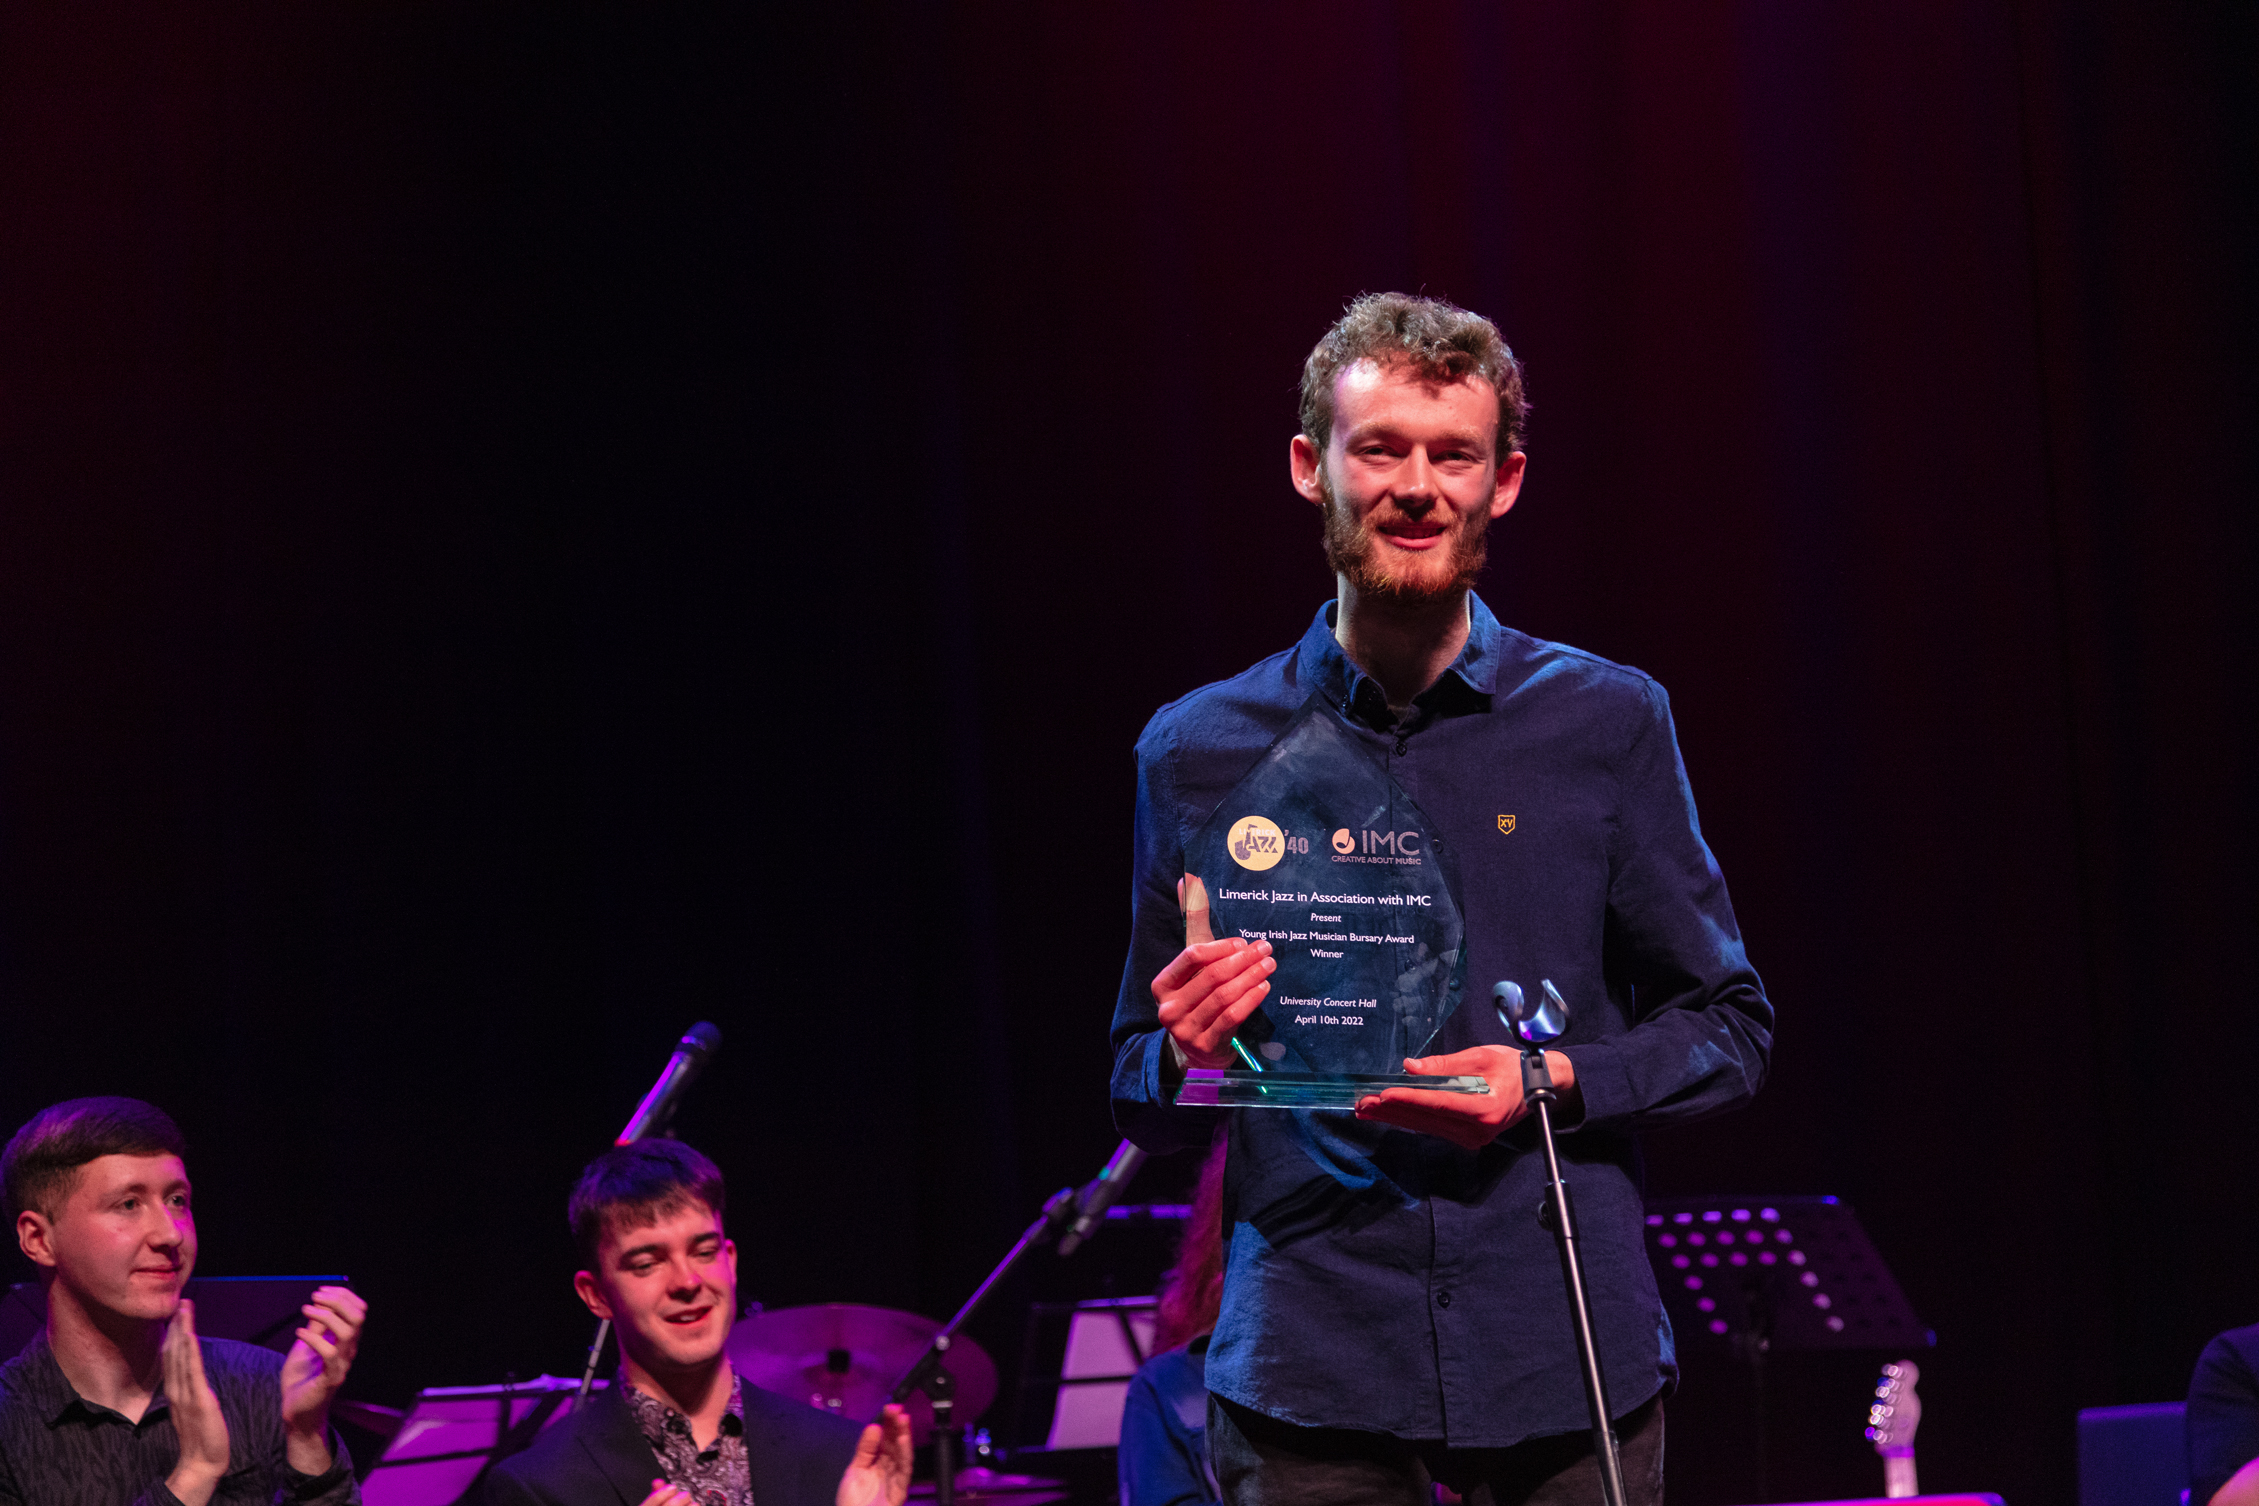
[1256, 843]
[1356, 898]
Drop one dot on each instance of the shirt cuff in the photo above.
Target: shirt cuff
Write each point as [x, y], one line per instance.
[1603, 1084]
[303, 1487]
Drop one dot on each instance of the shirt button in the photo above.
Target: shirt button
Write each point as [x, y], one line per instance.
[1443, 1299]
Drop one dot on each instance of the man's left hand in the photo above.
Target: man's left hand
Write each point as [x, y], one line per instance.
[1472, 1120]
[879, 1474]
[314, 1370]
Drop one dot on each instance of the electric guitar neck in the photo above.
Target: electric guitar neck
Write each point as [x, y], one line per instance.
[1891, 1422]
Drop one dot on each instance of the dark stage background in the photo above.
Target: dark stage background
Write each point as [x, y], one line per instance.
[522, 526]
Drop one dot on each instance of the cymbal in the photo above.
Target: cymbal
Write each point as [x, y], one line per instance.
[845, 1358]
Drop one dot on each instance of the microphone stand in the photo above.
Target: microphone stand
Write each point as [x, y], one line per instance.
[651, 1120]
[926, 1373]
[1559, 1216]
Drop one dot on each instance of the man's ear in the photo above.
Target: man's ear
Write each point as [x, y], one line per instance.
[1509, 484]
[1303, 461]
[35, 1236]
[592, 1293]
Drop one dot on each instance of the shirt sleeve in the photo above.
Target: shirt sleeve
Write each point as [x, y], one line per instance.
[1157, 1466]
[1702, 1029]
[2223, 1413]
[334, 1486]
[247, 1381]
[1143, 1084]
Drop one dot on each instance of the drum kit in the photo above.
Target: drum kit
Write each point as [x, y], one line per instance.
[844, 1357]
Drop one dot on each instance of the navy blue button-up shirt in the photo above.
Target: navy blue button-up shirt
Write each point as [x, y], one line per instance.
[1386, 1280]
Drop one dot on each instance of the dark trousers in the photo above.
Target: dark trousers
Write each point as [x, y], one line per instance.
[1261, 1461]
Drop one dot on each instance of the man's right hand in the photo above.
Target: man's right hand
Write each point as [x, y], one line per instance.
[663, 1494]
[1211, 986]
[197, 1420]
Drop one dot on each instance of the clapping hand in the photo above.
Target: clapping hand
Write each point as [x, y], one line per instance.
[313, 1371]
[197, 1420]
[879, 1474]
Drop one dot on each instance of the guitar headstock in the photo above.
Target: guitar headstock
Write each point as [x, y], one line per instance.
[1897, 1410]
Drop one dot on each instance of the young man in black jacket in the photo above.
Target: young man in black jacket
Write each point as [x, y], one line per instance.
[678, 1427]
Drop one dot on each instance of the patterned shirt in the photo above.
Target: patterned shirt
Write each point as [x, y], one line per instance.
[57, 1446]
[716, 1476]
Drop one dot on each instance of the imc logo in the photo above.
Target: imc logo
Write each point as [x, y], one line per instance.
[1403, 843]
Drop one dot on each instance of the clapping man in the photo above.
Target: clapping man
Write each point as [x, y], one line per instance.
[118, 1399]
[679, 1427]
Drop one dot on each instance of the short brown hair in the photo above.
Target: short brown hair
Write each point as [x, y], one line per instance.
[1437, 340]
[630, 1186]
[40, 1166]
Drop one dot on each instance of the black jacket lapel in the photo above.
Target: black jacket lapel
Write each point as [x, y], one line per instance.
[616, 1446]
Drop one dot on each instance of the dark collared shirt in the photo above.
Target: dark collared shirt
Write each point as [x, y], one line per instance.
[1385, 1280]
[717, 1475]
[56, 1446]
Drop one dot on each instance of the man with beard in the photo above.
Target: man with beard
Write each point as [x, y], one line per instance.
[1396, 1317]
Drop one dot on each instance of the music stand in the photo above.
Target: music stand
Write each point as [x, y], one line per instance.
[453, 1433]
[1776, 1273]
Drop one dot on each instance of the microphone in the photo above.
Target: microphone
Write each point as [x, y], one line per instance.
[1101, 1195]
[657, 1111]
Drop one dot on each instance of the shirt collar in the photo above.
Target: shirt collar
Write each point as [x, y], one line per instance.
[52, 1395]
[654, 1412]
[1332, 673]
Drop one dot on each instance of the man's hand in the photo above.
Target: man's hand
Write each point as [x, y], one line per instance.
[1471, 1120]
[313, 1371]
[879, 1474]
[663, 1494]
[1211, 986]
[197, 1420]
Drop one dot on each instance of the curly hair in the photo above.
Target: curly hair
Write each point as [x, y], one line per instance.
[1436, 339]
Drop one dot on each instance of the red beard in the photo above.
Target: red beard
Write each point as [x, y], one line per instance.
[1353, 548]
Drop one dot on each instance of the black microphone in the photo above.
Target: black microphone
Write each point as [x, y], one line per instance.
[657, 1111]
[1101, 1195]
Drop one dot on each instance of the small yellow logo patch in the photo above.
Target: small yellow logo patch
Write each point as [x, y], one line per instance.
[1506, 826]
[1256, 843]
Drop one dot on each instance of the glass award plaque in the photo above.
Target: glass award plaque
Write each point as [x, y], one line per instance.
[1324, 855]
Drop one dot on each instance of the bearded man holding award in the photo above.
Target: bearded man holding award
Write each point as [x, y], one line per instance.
[1333, 850]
